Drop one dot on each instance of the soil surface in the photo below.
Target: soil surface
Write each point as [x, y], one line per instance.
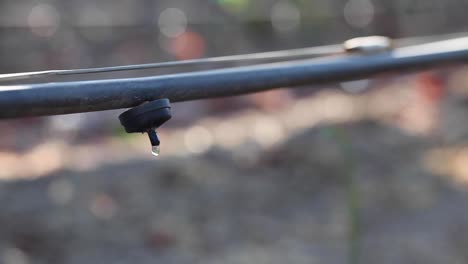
[288, 204]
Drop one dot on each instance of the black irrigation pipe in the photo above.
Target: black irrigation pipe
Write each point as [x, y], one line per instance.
[87, 96]
[271, 56]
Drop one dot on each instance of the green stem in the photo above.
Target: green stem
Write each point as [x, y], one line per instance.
[352, 190]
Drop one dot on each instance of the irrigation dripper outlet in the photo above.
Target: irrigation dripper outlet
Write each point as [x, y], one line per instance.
[146, 118]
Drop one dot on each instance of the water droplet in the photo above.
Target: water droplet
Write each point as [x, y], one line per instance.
[155, 150]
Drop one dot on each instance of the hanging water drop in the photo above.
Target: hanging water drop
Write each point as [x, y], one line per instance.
[154, 139]
[155, 150]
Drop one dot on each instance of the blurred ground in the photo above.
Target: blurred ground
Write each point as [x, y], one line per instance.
[254, 186]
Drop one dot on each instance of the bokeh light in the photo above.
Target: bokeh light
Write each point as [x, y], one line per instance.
[338, 108]
[359, 13]
[285, 16]
[172, 22]
[189, 45]
[198, 139]
[267, 131]
[228, 134]
[44, 20]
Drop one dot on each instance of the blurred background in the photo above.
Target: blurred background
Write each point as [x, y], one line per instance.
[365, 171]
